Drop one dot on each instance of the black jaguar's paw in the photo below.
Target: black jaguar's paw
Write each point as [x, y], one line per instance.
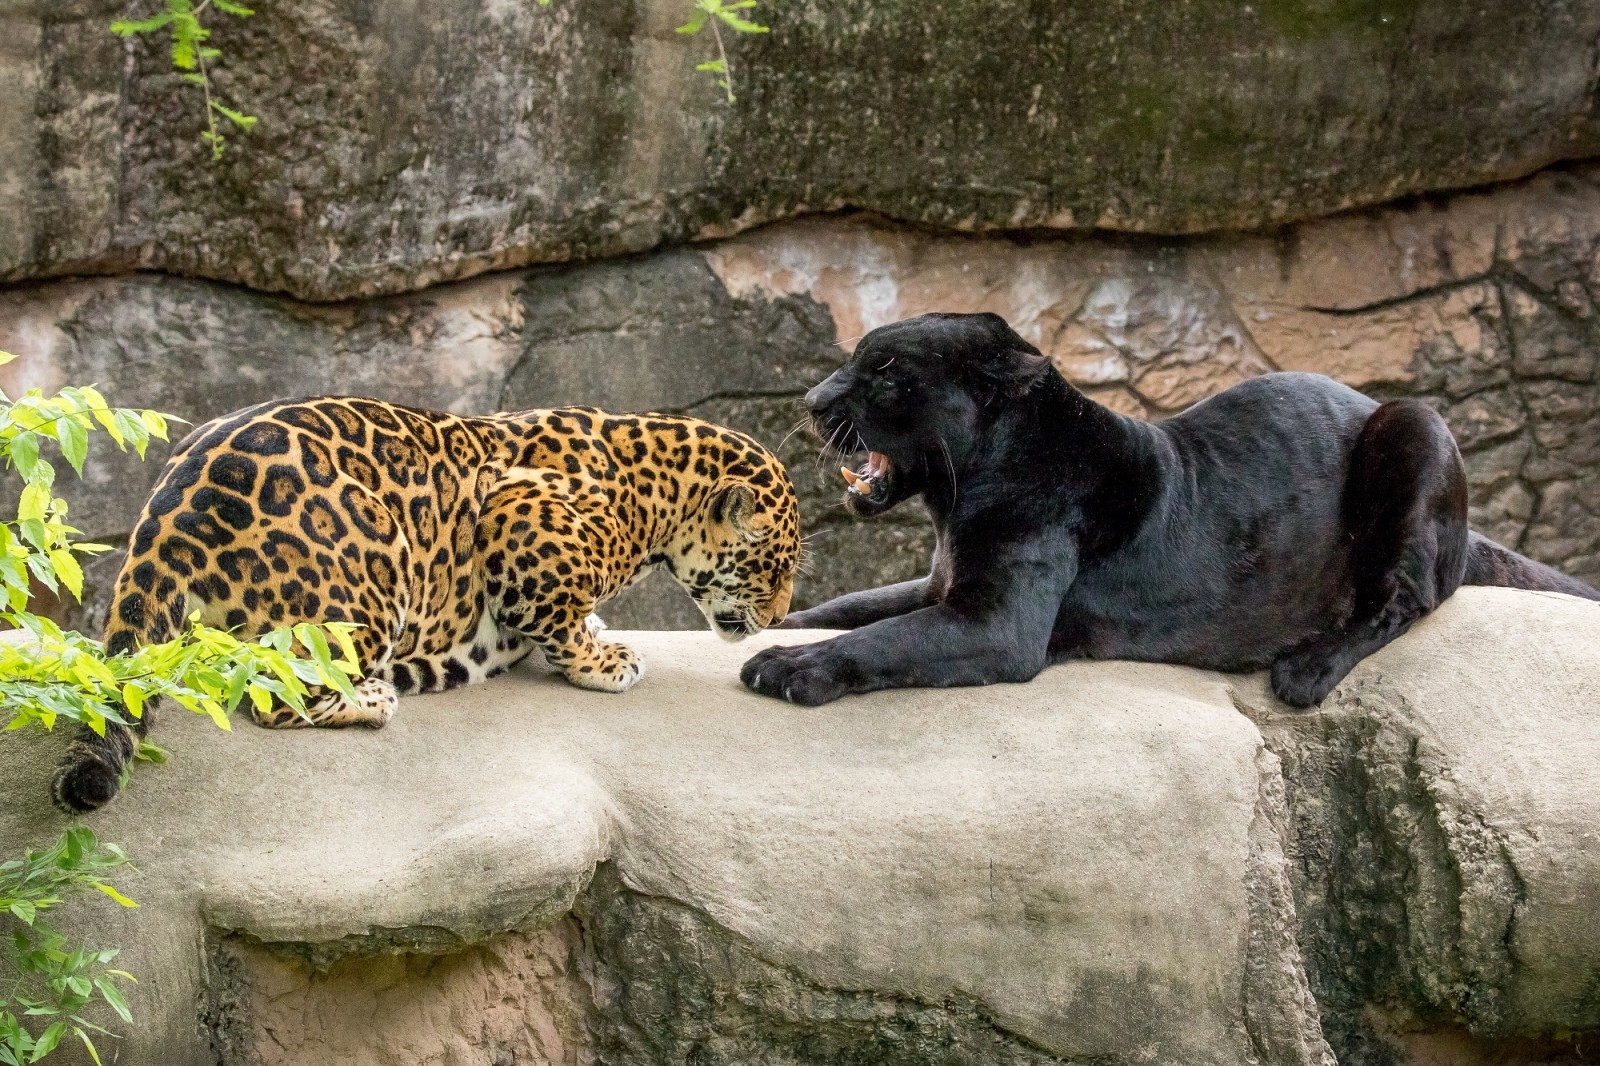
[800, 675]
[1304, 679]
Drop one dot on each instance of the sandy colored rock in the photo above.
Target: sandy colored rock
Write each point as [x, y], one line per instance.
[1445, 832]
[516, 997]
[1110, 864]
[1075, 859]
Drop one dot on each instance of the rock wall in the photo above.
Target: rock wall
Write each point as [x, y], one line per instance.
[400, 145]
[1483, 303]
[1116, 864]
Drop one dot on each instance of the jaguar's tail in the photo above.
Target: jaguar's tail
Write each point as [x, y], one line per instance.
[145, 610]
[1489, 563]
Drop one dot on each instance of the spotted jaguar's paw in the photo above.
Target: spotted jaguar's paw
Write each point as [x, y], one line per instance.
[609, 668]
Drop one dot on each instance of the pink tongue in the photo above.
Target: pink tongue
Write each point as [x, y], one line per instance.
[877, 464]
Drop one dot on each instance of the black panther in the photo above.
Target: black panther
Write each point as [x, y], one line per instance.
[1288, 521]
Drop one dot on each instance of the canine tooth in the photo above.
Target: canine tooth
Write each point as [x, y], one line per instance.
[850, 476]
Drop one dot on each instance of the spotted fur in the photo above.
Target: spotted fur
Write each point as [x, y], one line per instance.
[459, 545]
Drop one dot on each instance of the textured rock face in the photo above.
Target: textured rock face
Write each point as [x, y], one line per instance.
[1111, 865]
[1482, 303]
[1443, 837]
[399, 146]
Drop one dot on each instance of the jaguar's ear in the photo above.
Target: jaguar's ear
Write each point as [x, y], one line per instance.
[1013, 371]
[736, 505]
[1009, 364]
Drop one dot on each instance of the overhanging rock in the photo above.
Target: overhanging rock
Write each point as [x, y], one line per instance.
[1111, 864]
[400, 145]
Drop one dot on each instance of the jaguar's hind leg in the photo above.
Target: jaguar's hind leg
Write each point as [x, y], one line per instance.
[374, 704]
[1405, 514]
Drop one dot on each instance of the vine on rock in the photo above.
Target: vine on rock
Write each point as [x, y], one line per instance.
[716, 14]
[190, 53]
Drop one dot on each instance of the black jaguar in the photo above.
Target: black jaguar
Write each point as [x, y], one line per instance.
[1289, 521]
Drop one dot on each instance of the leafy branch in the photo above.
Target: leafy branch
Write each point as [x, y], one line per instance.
[41, 971]
[58, 674]
[48, 675]
[190, 54]
[716, 14]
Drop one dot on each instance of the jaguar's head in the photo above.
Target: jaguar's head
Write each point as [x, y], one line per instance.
[908, 412]
[738, 560]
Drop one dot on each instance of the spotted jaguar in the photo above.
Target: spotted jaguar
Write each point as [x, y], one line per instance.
[459, 546]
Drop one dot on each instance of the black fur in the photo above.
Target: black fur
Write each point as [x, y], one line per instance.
[1288, 522]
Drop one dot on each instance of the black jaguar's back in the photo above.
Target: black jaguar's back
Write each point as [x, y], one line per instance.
[1250, 483]
[1288, 521]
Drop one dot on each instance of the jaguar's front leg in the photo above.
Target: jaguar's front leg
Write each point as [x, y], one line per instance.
[935, 647]
[983, 632]
[571, 644]
[589, 662]
[856, 609]
[550, 601]
[373, 705]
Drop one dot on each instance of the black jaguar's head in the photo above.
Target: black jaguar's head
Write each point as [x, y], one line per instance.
[913, 405]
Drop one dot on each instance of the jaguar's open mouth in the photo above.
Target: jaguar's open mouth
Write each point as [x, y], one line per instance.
[871, 483]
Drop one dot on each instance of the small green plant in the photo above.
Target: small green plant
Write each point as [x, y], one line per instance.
[716, 14]
[48, 675]
[48, 978]
[190, 55]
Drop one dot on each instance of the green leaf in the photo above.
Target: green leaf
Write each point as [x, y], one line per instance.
[148, 752]
[696, 23]
[34, 503]
[232, 8]
[78, 842]
[48, 1040]
[244, 122]
[133, 699]
[217, 714]
[127, 28]
[6, 357]
[68, 570]
[347, 647]
[24, 911]
[739, 24]
[113, 995]
[74, 442]
[241, 677]
[156, 423]
[24, 452]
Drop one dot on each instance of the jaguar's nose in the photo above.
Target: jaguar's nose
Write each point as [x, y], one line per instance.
[822, 396]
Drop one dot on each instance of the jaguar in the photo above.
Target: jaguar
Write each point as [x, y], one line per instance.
[457, 545]
[1288, 522]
